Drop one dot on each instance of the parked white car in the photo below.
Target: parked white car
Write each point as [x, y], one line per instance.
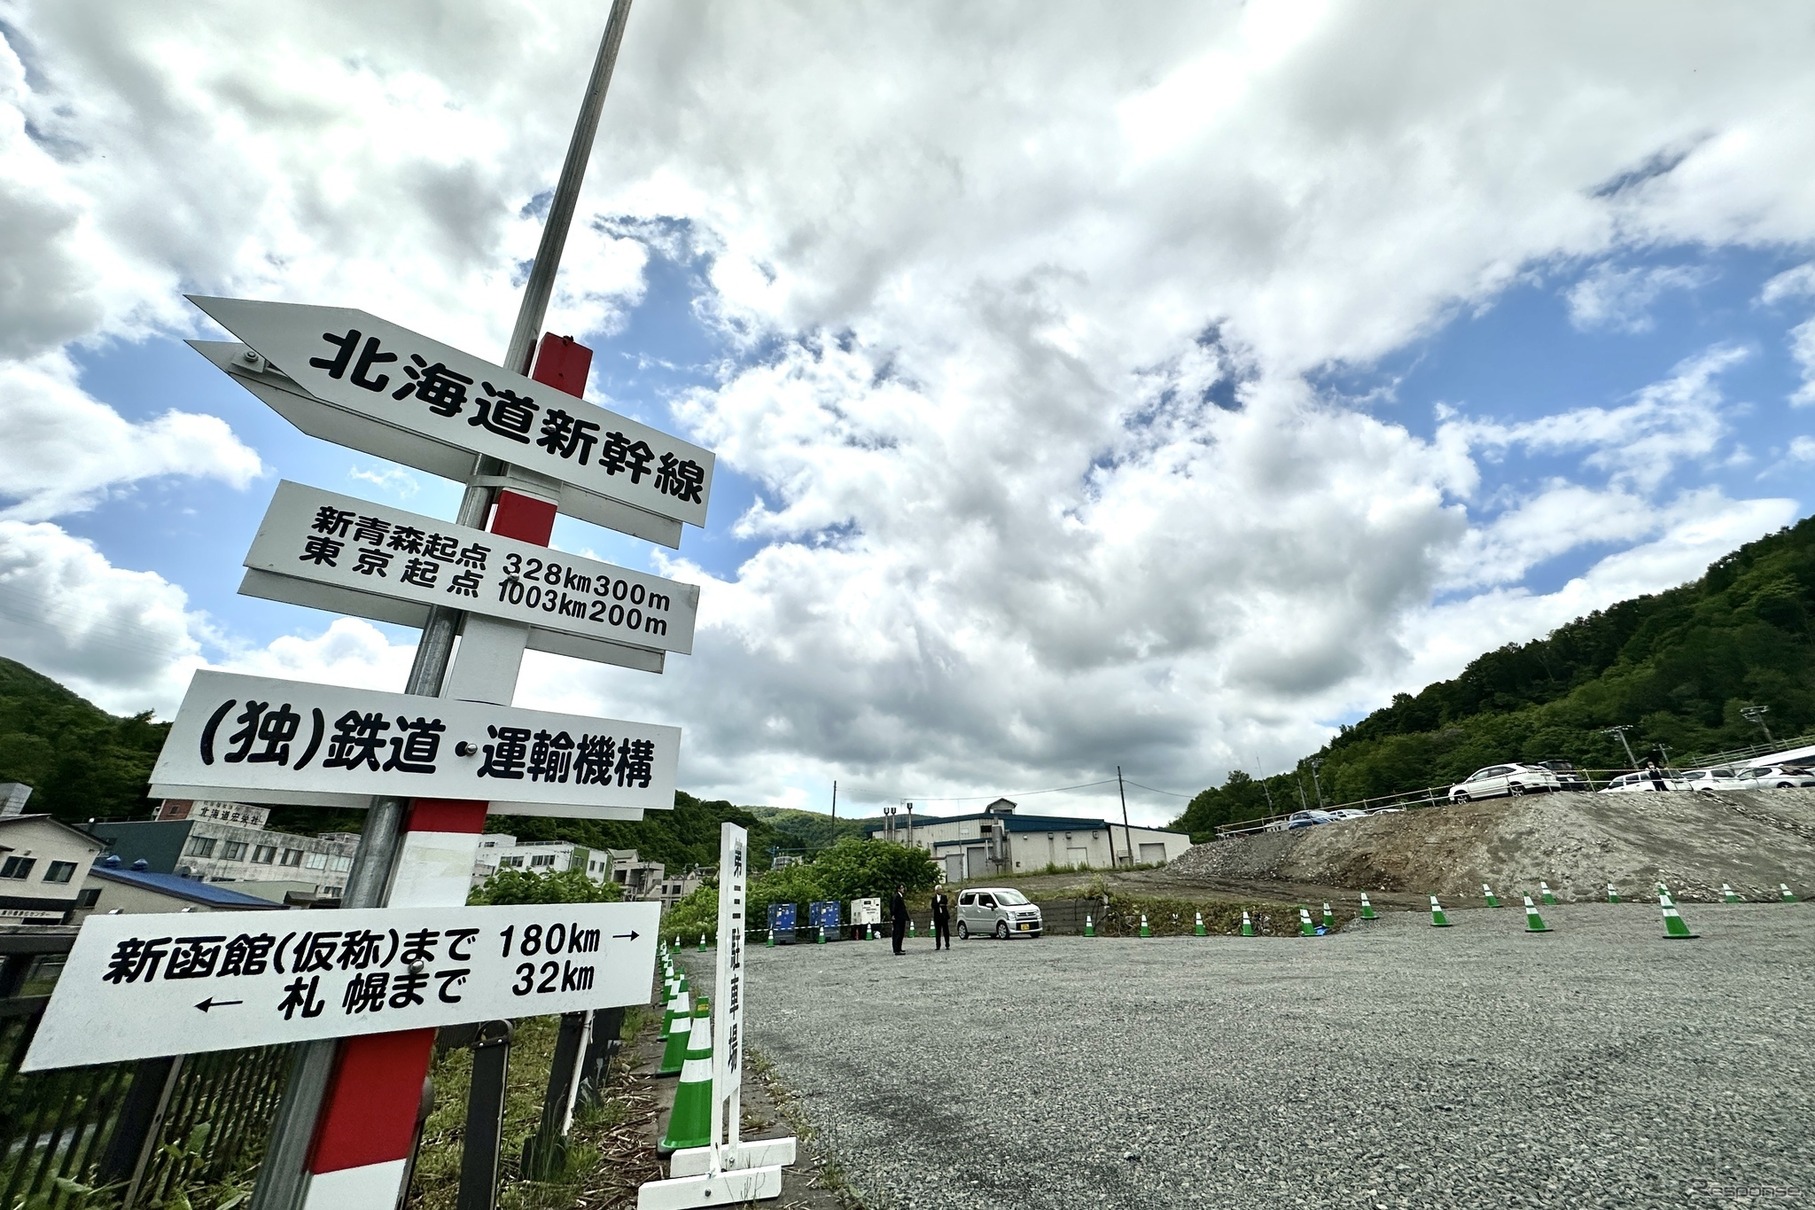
[1633, 783]
[1775, 777]
[1496, 780]
[1342, 813]
[1713, 779]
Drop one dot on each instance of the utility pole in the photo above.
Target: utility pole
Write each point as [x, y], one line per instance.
[1315, 762]
[834, 798]
[1127, 836]
[282, 1175]
[1621, 730]
[1756, 714]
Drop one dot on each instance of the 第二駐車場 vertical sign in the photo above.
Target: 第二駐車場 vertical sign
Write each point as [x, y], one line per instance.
[727, 1028]
[254, 739]
[397, 394]
[330, 551]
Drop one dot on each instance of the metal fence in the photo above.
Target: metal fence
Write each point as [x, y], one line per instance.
[118, 1134]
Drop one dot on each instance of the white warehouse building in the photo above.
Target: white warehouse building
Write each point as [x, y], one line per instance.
[1000, 840]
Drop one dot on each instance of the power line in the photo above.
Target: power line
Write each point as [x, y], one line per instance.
[1168, 793]
[1108, 781]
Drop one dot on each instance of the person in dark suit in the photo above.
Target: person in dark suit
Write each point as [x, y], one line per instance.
[898, 918]
[942, 920]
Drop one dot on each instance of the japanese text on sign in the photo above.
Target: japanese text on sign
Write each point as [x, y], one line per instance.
[142, 985]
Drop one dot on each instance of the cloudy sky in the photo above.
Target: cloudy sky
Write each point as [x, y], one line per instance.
[1158, 385]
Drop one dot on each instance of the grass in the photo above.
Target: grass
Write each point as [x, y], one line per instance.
[607, 1156]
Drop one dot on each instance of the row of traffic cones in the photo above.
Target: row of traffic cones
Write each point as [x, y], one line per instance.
[1674, 927]
[687, 1053]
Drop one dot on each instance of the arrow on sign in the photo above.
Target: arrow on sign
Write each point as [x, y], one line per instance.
[630, 936]
[211, 1002]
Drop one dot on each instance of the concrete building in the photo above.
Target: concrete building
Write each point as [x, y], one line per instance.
[114, 886]
[999, 840]
[210, 845]
[638, 879]
[44, 865]
[672, 890]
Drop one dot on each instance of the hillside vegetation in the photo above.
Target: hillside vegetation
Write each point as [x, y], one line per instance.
[81, 762]
[1677, 666]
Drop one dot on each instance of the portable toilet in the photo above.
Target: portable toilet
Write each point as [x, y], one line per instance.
[781, 922]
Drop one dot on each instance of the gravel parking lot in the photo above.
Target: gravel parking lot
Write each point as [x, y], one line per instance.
[1392, 1065]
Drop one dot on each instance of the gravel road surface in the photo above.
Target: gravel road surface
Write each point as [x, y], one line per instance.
[1392, 1065]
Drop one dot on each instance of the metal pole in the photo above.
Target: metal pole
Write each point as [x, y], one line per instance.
[1314, 780]
[281, 1178]
[834, 798]
[1127, 836]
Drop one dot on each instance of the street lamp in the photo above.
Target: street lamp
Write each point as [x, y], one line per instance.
[910, 815]
[1756, 714]
[888, 822]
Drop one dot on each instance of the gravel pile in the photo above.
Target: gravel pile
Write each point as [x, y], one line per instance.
[1576, 842]
[1392, 1065]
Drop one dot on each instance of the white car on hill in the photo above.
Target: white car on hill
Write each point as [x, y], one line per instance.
[1496, 780]
[1635, 783]
[1776, 777]
[1713, 779]
[1342, 813]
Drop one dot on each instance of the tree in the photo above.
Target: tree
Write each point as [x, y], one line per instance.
[526, 886]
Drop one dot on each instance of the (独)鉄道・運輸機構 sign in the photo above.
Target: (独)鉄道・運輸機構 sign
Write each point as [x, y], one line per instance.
[396, 394]
[254, 739]
[329, 551]
[139, 986]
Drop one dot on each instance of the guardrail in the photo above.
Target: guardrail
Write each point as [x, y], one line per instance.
[1739, 754]
[1411, 800]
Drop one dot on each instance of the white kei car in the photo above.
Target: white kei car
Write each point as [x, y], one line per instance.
[1775, 777]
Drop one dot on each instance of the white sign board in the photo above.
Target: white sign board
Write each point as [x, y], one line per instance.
[336, 552]
[434, 399]
[728, 1009]
[254, 739]
[866, 911]
[179, 983]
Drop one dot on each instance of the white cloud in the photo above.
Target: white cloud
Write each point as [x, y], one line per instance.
[1791, 283]
[1802, 348]
[62, 451]
[393, 481]
[123, 639]
[1802, 449]
[1621, 299]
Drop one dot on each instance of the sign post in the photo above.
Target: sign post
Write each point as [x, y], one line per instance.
[728, 1169]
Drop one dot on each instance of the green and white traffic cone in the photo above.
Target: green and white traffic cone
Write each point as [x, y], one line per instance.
[1329, 918]
[911, 931]
[1487, 893]
[822, 934]
[1247, 926]
[1438, 919]
[1613, 893]
[1783, 890]
[1199, 930]
[1305, 927]
[1367, 909]
[1534, 923]
[702, 943]
[1729, 895]
[771, 938]
[677, 943]
[1090, 926]
[674, 1053]
[1674, 928]
[1145, 931]
[1544, 895]
[671, 1011]
[690, 1122]
[1664, 889]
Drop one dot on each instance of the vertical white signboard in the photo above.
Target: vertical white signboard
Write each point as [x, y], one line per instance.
[727, 1153]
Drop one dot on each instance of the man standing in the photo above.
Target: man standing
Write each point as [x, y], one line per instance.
[942, 921]
[898, 918]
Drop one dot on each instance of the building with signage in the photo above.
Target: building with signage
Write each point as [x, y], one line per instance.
[999, 840]
[208, 846]
[43, 867]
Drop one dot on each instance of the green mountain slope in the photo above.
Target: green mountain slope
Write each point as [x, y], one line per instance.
[81, 761]
[1677, 666]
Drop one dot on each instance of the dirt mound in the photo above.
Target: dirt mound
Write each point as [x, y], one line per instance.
[1694, 841]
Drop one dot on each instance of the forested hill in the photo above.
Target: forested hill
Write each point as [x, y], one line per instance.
[81, 762]
[1677, 666]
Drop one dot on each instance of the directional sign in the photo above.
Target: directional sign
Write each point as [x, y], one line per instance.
[177, 983]
[397, 394]
[335, 552]
[253, 739]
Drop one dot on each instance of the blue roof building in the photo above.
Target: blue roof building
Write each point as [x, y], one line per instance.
[136, 888]
[1000, 840]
